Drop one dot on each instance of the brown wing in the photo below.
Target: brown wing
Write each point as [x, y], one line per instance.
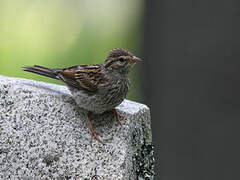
[88, 77]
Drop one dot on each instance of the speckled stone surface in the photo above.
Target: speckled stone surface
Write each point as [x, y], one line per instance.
[44, 135]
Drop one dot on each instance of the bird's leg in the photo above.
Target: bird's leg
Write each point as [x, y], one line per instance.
[117, 115]
[92, 130]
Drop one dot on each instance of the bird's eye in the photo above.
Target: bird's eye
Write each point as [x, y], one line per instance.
[121, 59]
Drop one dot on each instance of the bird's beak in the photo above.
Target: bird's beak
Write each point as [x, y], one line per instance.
[134, 60]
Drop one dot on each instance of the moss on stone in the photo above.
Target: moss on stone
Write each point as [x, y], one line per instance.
[144, 156]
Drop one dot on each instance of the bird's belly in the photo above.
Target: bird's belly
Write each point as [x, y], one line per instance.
[95, 103]
[100, 102]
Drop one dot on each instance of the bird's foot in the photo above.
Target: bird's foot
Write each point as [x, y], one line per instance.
[117, 115]
[92, 129]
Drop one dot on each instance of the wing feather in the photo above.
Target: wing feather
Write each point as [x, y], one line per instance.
[89, 77]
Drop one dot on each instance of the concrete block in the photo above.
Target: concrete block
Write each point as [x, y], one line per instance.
[44, 135]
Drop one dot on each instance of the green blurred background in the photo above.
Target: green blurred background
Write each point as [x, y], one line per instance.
[62, 33]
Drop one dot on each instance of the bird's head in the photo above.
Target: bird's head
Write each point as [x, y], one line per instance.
[120, 61]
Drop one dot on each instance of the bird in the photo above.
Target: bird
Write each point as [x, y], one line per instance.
[96, 88]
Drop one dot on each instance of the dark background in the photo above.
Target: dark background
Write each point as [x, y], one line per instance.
[191, 83]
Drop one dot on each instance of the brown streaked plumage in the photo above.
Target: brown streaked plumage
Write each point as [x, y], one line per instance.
[91, 78]
[95, 88]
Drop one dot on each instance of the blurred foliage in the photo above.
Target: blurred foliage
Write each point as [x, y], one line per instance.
[62, 33]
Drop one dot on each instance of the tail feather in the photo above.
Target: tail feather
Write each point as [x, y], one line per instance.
[52, 73]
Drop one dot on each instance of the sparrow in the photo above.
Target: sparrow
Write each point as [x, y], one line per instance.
[95, 88]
